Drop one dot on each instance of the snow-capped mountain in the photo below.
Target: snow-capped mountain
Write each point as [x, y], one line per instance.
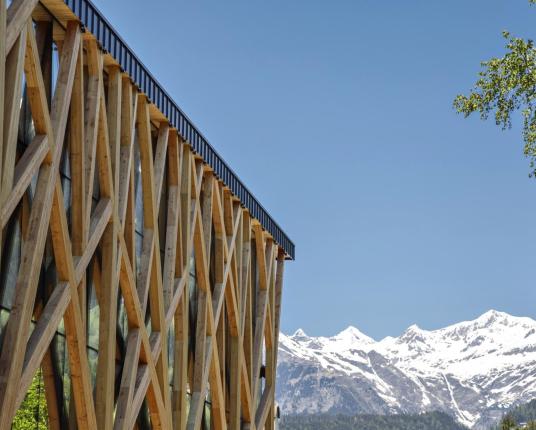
[473, 370]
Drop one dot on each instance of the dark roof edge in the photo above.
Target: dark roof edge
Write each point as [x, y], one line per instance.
[106, 35]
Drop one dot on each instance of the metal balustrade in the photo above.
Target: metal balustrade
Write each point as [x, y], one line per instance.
[112, 43]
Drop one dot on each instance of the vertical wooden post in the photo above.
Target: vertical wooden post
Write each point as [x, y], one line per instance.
[99, 118]
[111, 125]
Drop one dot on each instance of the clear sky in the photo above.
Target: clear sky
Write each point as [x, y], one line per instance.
[338, 116]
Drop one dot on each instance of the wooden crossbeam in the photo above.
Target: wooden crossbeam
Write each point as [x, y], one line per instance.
[134, 313]
[92, 117]
[25, 170]
[108, 160]
[42, 335]
[13, 74]
[265, 256]
[142, 213]
[17, 16]
[11, 357]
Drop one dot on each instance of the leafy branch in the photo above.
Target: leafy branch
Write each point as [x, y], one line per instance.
[506, 85]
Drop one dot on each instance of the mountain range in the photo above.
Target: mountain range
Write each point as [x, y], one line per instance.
[473, 370]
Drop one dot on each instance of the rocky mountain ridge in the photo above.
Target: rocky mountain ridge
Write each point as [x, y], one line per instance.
[473, 370]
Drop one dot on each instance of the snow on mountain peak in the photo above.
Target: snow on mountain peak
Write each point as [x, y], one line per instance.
[494, 313]
[299, 333]
[413, 334]
[354, 334]
[469, 368]
[492, 317]
[414, 330]
[497, 327]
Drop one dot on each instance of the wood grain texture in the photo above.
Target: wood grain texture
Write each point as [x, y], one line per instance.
[147, 226]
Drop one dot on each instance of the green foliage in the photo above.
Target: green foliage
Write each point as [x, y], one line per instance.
[507, 85]
[520, 414]
[508, 422]
[428, 421]
[32, 414]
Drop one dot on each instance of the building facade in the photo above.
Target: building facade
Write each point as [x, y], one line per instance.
[140, 280]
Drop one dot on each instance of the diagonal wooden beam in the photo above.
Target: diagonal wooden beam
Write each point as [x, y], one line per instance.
[228, 243]
[246, 397]
[79, 231]
[48, 322]
[42, 335]
[245, 266]
[265, 253]
[160, 161]
[238, 368]
[92, 117]
[211, 360]
[130, 365]
[199, 381]
[229, 290]
[262, 252]
[73, 319]
[17, 329]
[204, 331]
[12, 94]
[63, 255]
[134, 314]
[74, 326]
[180, 300]
[200, 216]
[108, 161]
[78, 159]
[18, 14]
[180, 404]
[235, 370]
[216, 388]
[143, 383]
[171, 270]
[278, 296]
[25, 170]
[99, 220]
[207, 188]
[272, 342]
[36, 92]
[128, 126]
[264, 407]
[150, 222]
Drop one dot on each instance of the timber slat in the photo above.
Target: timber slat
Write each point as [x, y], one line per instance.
[195, 249]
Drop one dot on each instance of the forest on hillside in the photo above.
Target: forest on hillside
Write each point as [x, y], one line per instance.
[428, 421]
[522, 417]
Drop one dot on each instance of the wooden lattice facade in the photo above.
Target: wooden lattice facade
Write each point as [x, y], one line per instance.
[133, 277]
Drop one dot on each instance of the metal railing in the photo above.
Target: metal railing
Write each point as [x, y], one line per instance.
[111, 42]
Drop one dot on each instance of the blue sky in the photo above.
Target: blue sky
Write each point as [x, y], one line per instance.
[338, 116]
